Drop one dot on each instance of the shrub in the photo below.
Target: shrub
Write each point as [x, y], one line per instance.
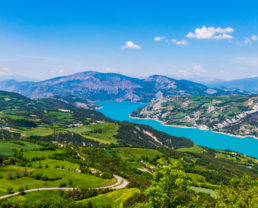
[9, 175]
[25, 172]
[62, 184]
[9, 190]
[18, 174]
[21, 190]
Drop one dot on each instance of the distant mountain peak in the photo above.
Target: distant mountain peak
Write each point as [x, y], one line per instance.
[98, 86]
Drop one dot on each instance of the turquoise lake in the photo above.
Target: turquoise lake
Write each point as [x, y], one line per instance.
[120, 111]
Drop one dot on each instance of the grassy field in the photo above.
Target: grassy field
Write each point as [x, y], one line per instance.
[204, 190]
[64, 176]
[55, 163]
[195, 149]
[115, 198]
[103, 132]
[5, 147]
[140, 152]
[32, 154]
[36, 197]
[39, 131]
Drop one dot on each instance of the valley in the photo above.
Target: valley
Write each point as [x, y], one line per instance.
[78, 157]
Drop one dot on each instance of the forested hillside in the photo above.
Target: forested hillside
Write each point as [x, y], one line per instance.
[51, 119]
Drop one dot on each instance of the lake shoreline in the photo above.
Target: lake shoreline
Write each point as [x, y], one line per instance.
[178, 126]
[121, 111]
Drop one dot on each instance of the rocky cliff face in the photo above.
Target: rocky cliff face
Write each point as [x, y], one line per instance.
[108, 87]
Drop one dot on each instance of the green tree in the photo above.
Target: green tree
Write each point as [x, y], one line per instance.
[241, 193]
[21, 190]
[9, 190]
[169, 188]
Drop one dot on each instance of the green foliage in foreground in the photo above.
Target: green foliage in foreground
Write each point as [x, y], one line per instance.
[170, 189]
[179, 179]
[115, 199]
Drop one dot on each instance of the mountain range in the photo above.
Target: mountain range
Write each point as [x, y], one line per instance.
[249, 85]
[110, 87]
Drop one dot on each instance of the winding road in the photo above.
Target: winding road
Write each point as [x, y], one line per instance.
[120, 183]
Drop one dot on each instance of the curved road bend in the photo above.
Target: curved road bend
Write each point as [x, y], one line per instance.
[120, 183]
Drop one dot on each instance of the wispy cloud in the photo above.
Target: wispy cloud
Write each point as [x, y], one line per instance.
[131, 44]
[211, 33]
[180, 42]
[254, 37]
[157, 39]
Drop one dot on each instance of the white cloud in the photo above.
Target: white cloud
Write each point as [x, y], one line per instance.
[179, 42]
[158, 39]
[254, 37]
[211, 33]
[131, 44]
[61, 71]
[198, 69]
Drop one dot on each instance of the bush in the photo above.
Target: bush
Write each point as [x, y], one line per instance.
[62, 184]
[25, 172]
[9, 175]
[21, 190]
[9, 190]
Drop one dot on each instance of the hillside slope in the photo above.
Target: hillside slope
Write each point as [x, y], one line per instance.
[50, 119]
[234, 114]
[109, 87]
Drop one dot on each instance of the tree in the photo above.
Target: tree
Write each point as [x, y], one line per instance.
[18, 174]
[25, 172]
[9, 175]
[168, 189]
[9, 190]
[21, 190]
[241, 193]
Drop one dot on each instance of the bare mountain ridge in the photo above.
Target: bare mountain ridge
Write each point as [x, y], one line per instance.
[109, 87]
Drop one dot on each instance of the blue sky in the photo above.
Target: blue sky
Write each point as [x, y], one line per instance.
[199, 40]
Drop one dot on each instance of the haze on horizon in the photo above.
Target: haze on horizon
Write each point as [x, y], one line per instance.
[200, 41]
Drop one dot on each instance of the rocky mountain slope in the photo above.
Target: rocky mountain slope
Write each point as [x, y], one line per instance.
[234, 114]
[109, 87]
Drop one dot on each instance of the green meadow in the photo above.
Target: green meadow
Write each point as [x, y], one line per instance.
[138, 153]
[32, 154]
[55, 177]
[195, 149]
[6, 147]
[103, 132]
[115, 199]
